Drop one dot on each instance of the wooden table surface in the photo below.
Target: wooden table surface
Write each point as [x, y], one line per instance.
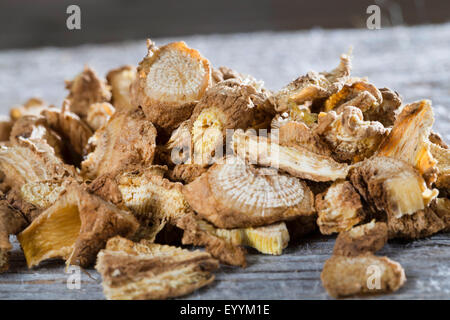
[413, 61]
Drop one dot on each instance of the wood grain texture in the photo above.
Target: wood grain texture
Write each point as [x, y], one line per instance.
[413, 61]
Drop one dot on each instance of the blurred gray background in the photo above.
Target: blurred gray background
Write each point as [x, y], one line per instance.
[35, 23]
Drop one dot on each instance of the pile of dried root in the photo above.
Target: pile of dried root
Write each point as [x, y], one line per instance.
[176, 152]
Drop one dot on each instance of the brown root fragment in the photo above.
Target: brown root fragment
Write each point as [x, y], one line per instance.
[420, 224]
[11, 222]
[169, 81]
[86, 89]
[127, 139]
[369, 237]
[145, 270]
[441, 206]
[98, 114]
[361, 275]
[312, 86]
[339, 208]
[36, 129]
[74, 228]
[34, 163]
[391, 185]
[233, 194]
[186, 173]
[296, 160]
[69, 126]
[120, 80]
[388, 109]
[348, 135]
[219, 248]
[298, 133]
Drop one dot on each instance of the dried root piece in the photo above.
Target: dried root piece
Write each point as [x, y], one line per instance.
[74, 228]
[197, 234]
[312, 86]
[364, 274]
[271, 239]
[420, 224]
[152, 199]
[442, 156]
[170, 80]
[32, 129]
[5, 128]
[127, 139]
[408, 139]
[391, 185]
[236, 195]
[145, 270]
[348, 135]
[441, 206]
[69, 126]
[98, 114]
[227, 105]
[120, 80]
[186, 173]
[359, 94]
[42, 194]
[369, 237]
[298, 133]
[294, 159]
[178, 150]
[388, 109]
[86, 89]
[33, 107]
[36, 163]
[11, 222]
[339, 208]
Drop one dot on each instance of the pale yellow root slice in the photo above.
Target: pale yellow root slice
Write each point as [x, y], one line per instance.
[391, 185]
[312, 86]
[74, 228]
[408, 139]
[339, 208]
[233, 194]
[169, 81]
[85, 89]
[270, 239]
[127, 139]
[32, 107]
[145, 270]
[227, 105]
[120, 80]
[295, 160]
[98, 114]
[361, 275]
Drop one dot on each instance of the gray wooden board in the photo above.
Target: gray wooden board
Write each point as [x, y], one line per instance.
[414, 61]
